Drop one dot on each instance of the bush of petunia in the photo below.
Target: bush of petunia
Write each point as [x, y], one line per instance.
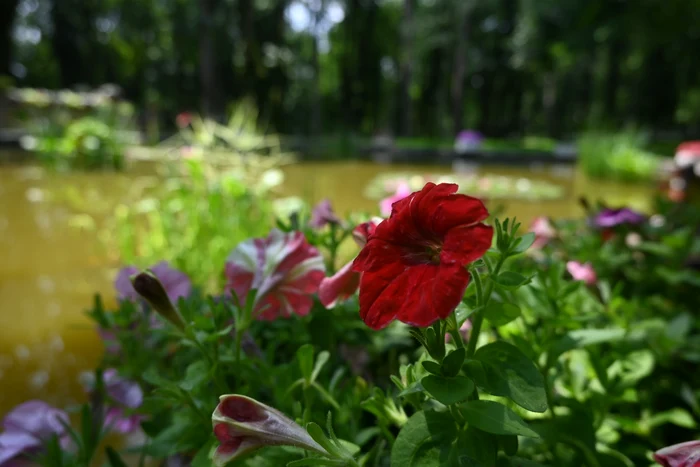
[452, 339]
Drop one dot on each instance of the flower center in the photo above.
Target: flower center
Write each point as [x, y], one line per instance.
[424, 254]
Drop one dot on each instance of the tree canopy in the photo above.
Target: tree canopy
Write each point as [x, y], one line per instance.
[412, 67]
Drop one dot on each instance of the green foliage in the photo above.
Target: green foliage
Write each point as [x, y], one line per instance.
[70, 130]
[194, 221]
[617, 157]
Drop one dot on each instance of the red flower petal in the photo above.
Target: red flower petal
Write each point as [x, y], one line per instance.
[464, 245]
[418, 295]
[342, 285]
[241, 409]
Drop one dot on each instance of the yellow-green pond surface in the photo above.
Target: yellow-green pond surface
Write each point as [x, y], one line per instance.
[52, 262]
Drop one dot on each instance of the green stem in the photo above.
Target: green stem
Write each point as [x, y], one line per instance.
[474, 336]
[548, 392]
[307, 405]
[456, 337]
[385, 431]
[482, 299]
[239, 338]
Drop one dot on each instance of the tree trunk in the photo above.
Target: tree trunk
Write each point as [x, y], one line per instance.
[459, 70]
[613, 79]
[207, 60]
[405, 103]
[247, 12]
[8, 11]
[316, 84]
[65, 44]
[549, 102]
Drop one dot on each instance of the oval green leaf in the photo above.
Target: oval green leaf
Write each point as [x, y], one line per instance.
[492, 417]
[453, 362]
[448, 391]
[500, 314]
[510, 373]
[510, 280]
[424, 440]
[525, 242]
[432, 367]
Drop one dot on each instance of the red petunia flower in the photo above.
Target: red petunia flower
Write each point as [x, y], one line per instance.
[414, 265]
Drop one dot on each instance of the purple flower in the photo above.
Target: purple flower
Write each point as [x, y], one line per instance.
[323, 215]
[679, 455]
[118, 421]
[468, 139]
[175, 282]
[27, 427]
[616, 217]
[125, 392]
[122, 395]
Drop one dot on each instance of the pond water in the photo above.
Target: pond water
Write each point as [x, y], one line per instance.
[52, 262]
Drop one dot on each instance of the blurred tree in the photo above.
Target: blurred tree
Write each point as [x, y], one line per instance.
[8, 11]
[417, 67]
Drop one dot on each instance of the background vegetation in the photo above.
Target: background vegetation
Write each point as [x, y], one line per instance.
[413, 67]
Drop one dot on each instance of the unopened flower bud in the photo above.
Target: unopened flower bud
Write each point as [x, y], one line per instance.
[150, 288]
[242, 425]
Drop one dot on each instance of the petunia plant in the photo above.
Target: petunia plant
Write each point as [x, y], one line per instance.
[450, 339]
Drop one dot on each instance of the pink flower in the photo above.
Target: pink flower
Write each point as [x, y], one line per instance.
[543, 230]
[679, 455]
[344, 283]
[183, 119]
[582, 272]
[284, 269]
[463, 331]
[402, 191]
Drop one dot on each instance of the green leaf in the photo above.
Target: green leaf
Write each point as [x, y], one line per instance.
[448, 391]
[520, 462]
[305, 357]
[413, 388]
[317, 461]
[114, 458]
[203, 456]
[453, 362]
[676, 416]
[432, 367]
[326, 395]
[500, 314]
[321, 360]
[197, 373]
[495, 418]
[584, 337]
[679, 327]
[424, 440]
[320, 437]
[524, 242]
[90, 432]
[475, 448]
[510, 373]
[510, 280]
[630, 369]
[509, 444]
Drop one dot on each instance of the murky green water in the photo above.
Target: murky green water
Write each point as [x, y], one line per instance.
[52, 263]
